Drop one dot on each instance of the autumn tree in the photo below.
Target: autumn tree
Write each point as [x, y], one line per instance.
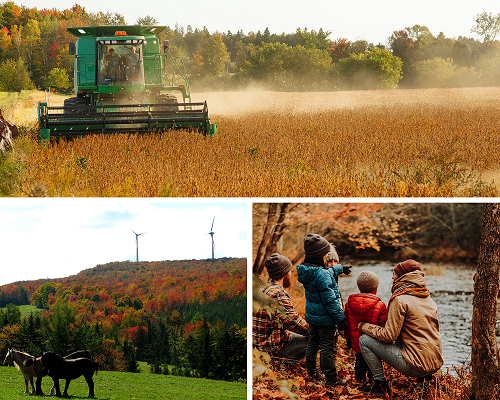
[40, 298]
[9, 337]
[7, 50]
[339, 49]
[107, 18]
[461, 54]
[30, 41]
[57, 78]
[375, 69]
[314, 39]
[484, 358]
[487, 26]
[211, 59]
[434, 73]
[147, 20]
[403, 46]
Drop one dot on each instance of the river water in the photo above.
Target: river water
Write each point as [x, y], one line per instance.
[451, 287]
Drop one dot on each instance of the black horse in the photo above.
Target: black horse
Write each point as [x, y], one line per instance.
[42, 373]
[58, 367]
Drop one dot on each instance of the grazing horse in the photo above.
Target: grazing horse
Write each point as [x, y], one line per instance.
[58, 367]
[28, 365]
[7, 133]
[42, 373]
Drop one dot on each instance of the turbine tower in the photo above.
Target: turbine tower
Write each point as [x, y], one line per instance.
[137, 244]
[211, 233]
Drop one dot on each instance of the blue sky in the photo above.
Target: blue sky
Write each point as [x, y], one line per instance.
[370, 20]
[52, 238]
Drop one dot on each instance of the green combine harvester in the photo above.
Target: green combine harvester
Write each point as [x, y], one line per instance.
[124, 83]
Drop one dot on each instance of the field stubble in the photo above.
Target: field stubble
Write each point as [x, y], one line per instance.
[403, 143]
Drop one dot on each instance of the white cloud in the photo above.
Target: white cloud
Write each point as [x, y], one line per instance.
[52, 238]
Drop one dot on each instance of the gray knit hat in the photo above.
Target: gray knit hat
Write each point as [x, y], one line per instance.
[367, 281]
[315, 246]
[277, 266]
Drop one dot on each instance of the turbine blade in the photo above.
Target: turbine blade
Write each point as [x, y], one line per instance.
[212, 228]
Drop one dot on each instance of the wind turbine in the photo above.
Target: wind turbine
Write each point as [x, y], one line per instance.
[211, 233]
[137, 243]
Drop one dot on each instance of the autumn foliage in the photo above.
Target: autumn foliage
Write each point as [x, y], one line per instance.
[273, 380]
[147, 287]
[162, 312]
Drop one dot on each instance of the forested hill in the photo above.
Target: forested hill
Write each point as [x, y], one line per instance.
[182, 317]
[156, 288]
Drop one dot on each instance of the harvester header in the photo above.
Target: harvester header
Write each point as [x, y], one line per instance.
[124, 82]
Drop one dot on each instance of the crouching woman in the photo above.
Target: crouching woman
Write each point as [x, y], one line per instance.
[410, 341]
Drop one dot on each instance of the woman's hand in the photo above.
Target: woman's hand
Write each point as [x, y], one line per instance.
[360, 327]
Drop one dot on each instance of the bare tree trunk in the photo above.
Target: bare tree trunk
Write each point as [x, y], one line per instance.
[484, 359]
[273, 232]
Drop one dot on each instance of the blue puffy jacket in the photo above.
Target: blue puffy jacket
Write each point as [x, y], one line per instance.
[323, 304]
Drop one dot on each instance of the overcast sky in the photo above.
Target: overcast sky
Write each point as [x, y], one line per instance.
[54, 238]
[370, 20]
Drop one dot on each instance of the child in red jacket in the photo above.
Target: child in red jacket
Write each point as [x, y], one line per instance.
[363, 307]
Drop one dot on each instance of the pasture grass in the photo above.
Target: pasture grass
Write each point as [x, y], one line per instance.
[26, 310]
[128, 386]
[421, 143]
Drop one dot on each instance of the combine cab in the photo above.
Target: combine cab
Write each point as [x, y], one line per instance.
[123, 83]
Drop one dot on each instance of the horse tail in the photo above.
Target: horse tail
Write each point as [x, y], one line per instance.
[96, 367]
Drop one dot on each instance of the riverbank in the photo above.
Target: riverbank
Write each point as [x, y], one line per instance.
[433, 254]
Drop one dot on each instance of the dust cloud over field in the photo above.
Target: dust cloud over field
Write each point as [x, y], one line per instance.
[237, 103]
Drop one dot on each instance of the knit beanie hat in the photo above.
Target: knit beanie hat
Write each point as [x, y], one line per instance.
[277, 266]
[407, 266]
[367, 281]
[315, 246]
[332, 254]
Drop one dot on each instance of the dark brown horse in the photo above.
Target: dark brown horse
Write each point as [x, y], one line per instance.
[53, 360]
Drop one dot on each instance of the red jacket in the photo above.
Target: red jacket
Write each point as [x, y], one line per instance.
[363, 307]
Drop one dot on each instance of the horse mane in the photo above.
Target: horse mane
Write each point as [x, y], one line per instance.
[23, 353]
[18, 367]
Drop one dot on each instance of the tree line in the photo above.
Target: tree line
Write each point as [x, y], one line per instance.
[391, 231]
[198, 349]
[34, 53]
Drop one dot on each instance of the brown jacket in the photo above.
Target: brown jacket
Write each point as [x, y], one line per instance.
[412, 323]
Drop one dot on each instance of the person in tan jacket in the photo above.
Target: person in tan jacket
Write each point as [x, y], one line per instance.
[410, 341]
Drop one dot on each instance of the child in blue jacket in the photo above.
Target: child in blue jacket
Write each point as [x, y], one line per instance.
[323, 307]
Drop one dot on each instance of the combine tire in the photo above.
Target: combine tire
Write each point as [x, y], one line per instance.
[170, 100]
[77, 102]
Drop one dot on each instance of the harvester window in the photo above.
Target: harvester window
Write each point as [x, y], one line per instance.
[120, 63]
